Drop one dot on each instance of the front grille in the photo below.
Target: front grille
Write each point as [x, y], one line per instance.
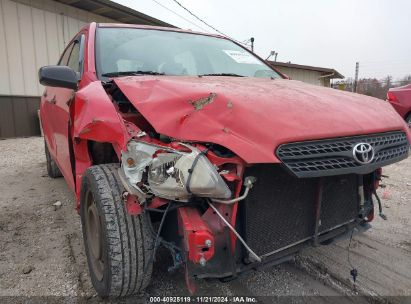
[335, 156]
[280, 209]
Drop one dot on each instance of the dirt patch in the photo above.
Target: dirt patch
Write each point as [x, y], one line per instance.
[32, 230]
[382, 254]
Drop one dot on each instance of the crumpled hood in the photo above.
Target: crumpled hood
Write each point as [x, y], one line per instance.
[252, 117]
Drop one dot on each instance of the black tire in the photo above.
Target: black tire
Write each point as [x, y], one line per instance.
[121, 263]
[52, 170]
[408, 120]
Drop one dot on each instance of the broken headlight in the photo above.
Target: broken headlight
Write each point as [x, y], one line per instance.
[173, 174]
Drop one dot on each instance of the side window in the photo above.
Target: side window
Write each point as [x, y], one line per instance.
[64, 58]
[74, 55]
[74, 60]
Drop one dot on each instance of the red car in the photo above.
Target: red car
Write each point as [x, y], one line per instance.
[191, 142]
[400, 98]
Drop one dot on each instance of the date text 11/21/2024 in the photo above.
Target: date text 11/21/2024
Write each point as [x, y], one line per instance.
[203, 299]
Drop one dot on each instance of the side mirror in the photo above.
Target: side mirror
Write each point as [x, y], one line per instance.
[58, 76]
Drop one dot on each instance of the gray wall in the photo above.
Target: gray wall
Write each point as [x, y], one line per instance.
[18, 116]
[33, 33]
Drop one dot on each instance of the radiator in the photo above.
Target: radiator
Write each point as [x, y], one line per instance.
[280, 209]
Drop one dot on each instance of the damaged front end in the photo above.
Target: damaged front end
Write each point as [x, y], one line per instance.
[194, 192]
[219, 213]
[176, 174]
[194, 189]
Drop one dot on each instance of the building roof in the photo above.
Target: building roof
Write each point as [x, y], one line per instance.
[333, 73]
[114, 11]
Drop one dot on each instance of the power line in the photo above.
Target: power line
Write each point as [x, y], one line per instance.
[245, 42]
[407, 65]
[177, 14]
[360, 81]
[386, 63]
[386, 66]
[387, 70]
[387, 60]
[198, 18]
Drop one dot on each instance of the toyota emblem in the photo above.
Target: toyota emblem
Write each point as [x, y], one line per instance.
[363, 153]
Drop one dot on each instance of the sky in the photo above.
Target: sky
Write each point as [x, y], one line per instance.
[325, 33]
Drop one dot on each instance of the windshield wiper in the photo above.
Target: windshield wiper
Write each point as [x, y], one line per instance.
[128, 73]
[222, 74]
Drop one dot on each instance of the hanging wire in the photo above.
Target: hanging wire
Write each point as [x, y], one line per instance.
[177, 14]
[353, 271]
[245, 42]
[201, 20]
[348, 249]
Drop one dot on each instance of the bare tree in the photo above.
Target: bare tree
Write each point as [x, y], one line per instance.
[373, 86]
[405, 80]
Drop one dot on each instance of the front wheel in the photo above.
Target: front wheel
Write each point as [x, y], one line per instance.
[118, 246]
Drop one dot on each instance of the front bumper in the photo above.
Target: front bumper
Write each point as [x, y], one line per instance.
[281, 256]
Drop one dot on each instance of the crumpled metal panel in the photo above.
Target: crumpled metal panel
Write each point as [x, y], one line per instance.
[252, 117]
[96, 118]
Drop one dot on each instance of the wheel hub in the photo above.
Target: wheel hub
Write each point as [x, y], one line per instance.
[94, 237]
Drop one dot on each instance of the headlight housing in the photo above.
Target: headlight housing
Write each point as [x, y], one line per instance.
[173, 174]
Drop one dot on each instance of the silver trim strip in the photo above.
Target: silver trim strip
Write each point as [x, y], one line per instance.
[256, 257]
[303, 240]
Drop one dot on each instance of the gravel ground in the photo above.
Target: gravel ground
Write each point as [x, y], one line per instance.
[41, 250]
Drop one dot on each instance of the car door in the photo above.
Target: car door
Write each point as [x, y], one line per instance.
[47, 108]
[58, 100]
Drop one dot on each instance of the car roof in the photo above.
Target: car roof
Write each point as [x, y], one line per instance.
[159, 28]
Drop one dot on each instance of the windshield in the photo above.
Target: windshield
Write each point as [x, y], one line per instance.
[122, 51]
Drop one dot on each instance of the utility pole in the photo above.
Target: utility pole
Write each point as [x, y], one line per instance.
[252, 44]
[357, 67]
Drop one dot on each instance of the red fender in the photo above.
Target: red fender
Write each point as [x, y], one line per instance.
[94, 117]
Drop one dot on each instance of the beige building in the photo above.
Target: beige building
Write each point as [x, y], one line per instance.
[309, 74]
[34, 33]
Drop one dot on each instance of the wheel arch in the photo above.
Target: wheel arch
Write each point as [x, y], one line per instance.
[95, 126]
[87, 153]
